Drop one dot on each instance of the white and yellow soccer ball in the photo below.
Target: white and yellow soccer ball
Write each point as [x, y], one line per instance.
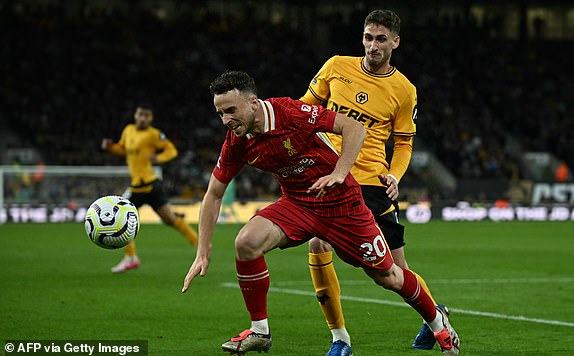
[112, 222]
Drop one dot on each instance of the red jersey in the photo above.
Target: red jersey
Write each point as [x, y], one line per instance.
[290, 148]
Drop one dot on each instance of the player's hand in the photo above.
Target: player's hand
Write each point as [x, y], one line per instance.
[199, 266]
[393, 186]
[325, 183]
[106, 143]
[153, 158]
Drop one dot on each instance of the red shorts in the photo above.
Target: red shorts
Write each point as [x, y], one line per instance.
[356, 238]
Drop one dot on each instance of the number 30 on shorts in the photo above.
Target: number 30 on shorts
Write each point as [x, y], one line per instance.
[378, 247]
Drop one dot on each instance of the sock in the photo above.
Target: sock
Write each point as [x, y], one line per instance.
[424, 285]
[341, 334]
[327, 288]
[180, 225]
[437, 324]
[130, 250]
[253, 278]
[417, 297]
[260, 326]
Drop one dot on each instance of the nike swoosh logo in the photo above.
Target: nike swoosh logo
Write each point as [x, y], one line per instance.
[378, 263]
[253, 161]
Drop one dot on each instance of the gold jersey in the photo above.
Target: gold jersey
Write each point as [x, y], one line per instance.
[138, 146]
[383, 103]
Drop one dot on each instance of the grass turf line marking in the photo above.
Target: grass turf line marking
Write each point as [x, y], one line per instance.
[404, 305]
[449, 281]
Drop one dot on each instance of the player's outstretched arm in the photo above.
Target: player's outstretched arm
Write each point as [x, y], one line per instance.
[106, 143]
[208, 214]
[110, 146]
[353, 134]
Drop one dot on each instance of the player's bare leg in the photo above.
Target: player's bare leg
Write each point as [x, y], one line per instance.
[399, 257]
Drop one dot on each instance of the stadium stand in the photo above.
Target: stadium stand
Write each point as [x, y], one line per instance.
[69, 80]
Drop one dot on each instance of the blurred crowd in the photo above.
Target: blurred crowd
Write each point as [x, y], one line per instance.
[65, 83]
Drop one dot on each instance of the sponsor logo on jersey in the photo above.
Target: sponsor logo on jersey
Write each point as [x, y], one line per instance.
[306, 108]
[296, 168]
[363, 118]
[314, 113]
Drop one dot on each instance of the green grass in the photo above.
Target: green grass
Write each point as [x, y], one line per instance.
[55, 284]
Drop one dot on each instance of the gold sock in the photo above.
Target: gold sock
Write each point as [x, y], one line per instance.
[185, 230]
[425, 287]
[130, 249]
[327, 288]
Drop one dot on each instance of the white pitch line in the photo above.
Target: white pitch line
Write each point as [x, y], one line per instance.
[404, 305]
[447, 281]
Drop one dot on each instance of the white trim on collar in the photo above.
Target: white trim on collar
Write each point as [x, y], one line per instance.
[269, 115]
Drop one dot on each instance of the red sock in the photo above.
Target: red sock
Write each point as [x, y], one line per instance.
[417, 297]
[253, 278]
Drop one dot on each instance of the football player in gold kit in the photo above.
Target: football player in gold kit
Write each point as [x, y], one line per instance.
[372, 91]
[143, 146]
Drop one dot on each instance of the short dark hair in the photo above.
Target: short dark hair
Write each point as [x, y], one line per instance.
[234, 79]
[385, 18]
[145, 106]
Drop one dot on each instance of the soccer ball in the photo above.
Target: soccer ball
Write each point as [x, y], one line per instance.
[112, 222]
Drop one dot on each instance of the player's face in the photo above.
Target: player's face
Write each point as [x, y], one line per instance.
[379, 43]
[237, 111]
[143, 118]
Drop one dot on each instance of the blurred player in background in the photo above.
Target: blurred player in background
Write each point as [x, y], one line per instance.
[373, 92]
[319, 198]
[144, 145]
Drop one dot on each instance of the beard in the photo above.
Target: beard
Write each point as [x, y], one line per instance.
[376, 62]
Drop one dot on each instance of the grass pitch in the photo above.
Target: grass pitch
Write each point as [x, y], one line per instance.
[509, 287]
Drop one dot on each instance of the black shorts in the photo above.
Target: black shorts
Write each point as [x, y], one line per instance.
[156, 197]
[378, 202]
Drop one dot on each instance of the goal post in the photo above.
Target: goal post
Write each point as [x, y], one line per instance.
[57, 193]
[46, 194]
